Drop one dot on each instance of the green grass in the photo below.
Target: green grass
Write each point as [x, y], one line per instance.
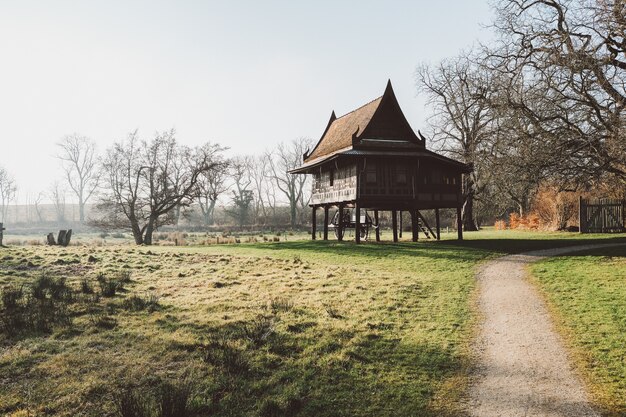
[289, 328]
[587, 293]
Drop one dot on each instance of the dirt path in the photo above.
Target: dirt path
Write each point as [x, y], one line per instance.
[523, 368]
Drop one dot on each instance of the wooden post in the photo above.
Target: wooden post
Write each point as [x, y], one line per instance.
[459, 223]
[377, 226]
[340, 224]
[581, 227]
[313, 222]
[325, 222]
[437, 224]
[1, 233]
[394, 225]
[357, 223]
[414, 230]
[400, 221]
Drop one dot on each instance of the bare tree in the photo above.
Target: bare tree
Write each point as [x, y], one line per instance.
[37, 205]
[261, 183]
[146, 181]
[79, 160]
[569, 58]
[8, 189]
[212, 183]
[284, 158]
[57, 196]
[462, 122]
[243, 195]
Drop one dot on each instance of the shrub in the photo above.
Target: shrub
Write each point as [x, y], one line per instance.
[124, 276]
[102, 320]
[258, 330]
[136, 303]
[280, 304]
[332, 311]
[12, 316]
[223, 353]
[174, 399]
[45, 286]
[514, 221]
[108, 287]
[130, 403]
[11, 297]
[554, 208]
[37, 307]
[85, 286]
[500, 225]
[270, 408]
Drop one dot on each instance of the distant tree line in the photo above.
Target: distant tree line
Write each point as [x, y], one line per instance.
[543, 106]
[140, 185]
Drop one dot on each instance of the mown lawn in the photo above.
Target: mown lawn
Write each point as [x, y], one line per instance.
[587, 293]
[274, 329]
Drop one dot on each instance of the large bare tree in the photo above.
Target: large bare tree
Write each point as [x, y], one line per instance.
[79, 160]
[569, 58]
[459, 91]
[146, 180]
[8, 189]
[282, 159]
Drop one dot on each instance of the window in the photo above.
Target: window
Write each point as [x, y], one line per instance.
[401, 174]
[370, 173]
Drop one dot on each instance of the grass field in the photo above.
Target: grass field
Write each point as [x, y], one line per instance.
[268, 329]
[587, 293]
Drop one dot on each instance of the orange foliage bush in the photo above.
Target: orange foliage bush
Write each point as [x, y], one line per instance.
[500, 225]
[532, 222]
[554, 208]
[514, 221]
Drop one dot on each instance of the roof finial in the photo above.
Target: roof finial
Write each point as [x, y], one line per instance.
[388, 88]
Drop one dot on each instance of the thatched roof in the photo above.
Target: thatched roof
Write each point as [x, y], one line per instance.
[340, 131]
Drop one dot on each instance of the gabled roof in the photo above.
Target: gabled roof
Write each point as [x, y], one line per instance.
[381, 120]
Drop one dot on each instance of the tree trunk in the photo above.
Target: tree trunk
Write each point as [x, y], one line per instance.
[211, 213]
[81, 211]
[147, 239]
[293, 212]
[469, 223]
[136, 230]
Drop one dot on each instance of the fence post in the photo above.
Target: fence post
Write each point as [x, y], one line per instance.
[581, 219]
[1, 233]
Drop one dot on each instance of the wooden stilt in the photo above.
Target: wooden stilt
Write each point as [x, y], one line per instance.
[414, 228]
[340, 224]
[437, 225]
[459, 223]
[325, 222]
[377, 225]
[357, 223]
[400, 230]
[394, 224]
[313, 222]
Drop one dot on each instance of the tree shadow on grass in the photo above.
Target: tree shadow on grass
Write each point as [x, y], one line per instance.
[358, 373]
[465, 250]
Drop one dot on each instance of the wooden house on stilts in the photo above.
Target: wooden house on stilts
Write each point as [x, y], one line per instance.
[371, 159]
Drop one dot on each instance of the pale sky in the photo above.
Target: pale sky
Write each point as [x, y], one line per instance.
[245, 74]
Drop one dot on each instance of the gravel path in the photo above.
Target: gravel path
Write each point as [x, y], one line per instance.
[523, 368]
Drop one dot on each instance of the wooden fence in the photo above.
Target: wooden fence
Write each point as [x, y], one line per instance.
[602, 215]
